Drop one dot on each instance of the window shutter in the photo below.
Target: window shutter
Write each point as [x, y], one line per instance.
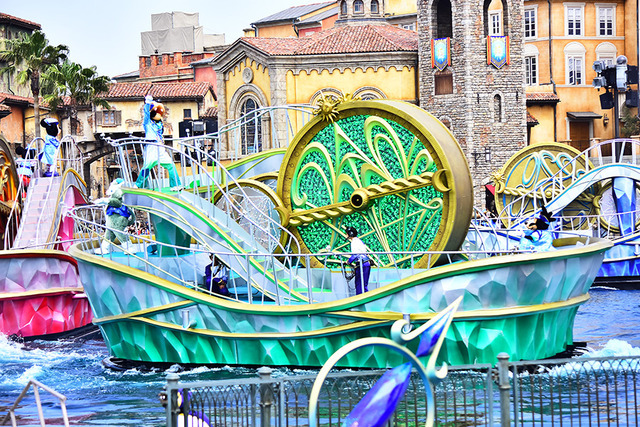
[118, 118]
[98, 118]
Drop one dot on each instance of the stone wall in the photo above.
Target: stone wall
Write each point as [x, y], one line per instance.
[470, 109]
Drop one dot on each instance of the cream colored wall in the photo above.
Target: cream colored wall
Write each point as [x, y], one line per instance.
[396, 84]
[234, 81]
[543, 131]
[401, 7]
[284, 30]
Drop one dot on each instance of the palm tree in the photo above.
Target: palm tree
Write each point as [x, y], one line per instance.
[83, 86]
[34, 55]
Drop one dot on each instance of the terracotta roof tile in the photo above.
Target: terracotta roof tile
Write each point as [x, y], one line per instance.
[341, 39]
[533, 97]
[531, 121]
[157, 90]
[210, 113]
[8, 98]
[4, 107]
[5, 18]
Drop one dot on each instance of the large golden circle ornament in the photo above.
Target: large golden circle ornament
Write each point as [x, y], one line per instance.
[387, 168]
[541, 167]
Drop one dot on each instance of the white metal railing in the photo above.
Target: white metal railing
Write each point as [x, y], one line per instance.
[186, 266]
[37, 385]
[206, 182]
[68, 157]
[570, 171]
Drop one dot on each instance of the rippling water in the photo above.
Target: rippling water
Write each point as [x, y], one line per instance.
[97, 396]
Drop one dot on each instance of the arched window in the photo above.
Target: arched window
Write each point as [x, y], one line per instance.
[444, 22]
[374, 6]
[497, 109]
[495, 18]
[251, 128]
[531, 64]
[607, 52]
[358, 6]
[574, 54]
[343, 7]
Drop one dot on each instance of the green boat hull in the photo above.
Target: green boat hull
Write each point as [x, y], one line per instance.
[522, 304]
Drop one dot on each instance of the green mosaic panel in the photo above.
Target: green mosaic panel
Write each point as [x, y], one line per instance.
[356, 152]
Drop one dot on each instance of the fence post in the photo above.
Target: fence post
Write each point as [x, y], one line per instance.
[266, 396]
[172, 399]
[504, 387]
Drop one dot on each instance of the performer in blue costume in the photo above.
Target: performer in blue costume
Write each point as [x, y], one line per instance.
[360, 260]
[537, 237]
[49, 152]
[152, 153]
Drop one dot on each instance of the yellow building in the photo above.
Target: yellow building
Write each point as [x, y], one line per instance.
[371, 60]
[562, 40]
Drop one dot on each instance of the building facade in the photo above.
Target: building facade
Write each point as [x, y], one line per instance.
[371, 60]
[562, 40]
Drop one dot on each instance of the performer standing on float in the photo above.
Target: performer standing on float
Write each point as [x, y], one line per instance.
[537, 237]
[49, 152]
[152, 153]
[359, 259]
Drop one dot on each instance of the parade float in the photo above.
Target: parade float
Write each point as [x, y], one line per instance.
[390, 170]
[592, 193]
[41, 295]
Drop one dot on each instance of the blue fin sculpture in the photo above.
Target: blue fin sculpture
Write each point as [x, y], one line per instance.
[380, 402]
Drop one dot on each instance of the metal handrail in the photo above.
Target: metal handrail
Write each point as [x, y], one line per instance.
[36, 384]
[569, 171]
[90, 234]
[200, 161]
[64, 163]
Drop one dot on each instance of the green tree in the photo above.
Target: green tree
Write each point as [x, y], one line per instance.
[630, 123]
[31, 55]
[83, 86]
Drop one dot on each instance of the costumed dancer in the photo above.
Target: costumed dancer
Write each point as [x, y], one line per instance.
[359, 259]
[119, 217]
[23, 168]
[537, 237]
[154, 154]
[216, 275]
[49, 152]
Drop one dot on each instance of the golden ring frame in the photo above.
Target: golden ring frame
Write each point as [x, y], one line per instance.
[438, 141]
[501, 186]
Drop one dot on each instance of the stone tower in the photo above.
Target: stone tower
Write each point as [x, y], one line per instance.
[484, 106]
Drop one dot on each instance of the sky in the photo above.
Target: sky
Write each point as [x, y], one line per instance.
[107, 33]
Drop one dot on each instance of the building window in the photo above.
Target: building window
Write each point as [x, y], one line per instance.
[574, 63]
[186, 113]
[343, 7]
[411, 27]
[443, 82]
[531, 70]
[358, 6]
[574, 66]
[530, 23]
[108, 118]
[607, 52]
[251, 128]
[374, 6]
[443, 23]
[495, 24]
[147, 61]
[159, 59]
[574, 20]
[606, 20]
[497, 109]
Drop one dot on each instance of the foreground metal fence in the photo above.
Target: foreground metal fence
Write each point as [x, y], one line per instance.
[571, 392]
